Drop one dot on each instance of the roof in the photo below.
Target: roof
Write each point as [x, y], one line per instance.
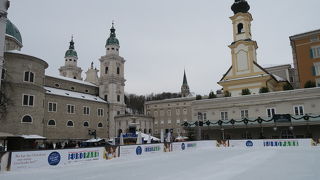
[72, 80]
[304, 34]
[72, 94]
[13, 31]
[112, 40]
[71, 52]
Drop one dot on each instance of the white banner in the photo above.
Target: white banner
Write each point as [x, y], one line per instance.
[272, 143]
[181, 146]
[141, 150]
[62, 157]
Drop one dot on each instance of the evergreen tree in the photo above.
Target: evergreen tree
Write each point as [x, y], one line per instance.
[264, 90]
[212, 95]
[246, 91]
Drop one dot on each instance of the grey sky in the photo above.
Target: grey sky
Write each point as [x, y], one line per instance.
[160, 38]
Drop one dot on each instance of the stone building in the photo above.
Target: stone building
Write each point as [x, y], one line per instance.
[306, 57]
[63, 107]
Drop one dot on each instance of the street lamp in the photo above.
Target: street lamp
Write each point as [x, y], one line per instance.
[200, 118]
[222, 131]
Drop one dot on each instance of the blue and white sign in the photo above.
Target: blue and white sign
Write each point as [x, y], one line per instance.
[54, 158]
[139, 150]
[249, 143]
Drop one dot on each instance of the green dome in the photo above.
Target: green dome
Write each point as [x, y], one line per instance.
[112, 40]
[13, 31]
[71, 52]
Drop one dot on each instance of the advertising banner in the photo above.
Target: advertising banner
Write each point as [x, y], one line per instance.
[141, 150]
[271, 143]
[61, 157]
[182, 146]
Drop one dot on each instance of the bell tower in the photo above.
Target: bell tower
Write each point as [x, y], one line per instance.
[245, 72]
[70, 68]
[112, 80]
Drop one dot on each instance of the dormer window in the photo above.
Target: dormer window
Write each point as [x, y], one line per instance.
[240, 28]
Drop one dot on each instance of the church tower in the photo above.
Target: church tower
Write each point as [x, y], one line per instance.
[92, 75]
[245, 73]
[70, 68]
[185, 91]
[112, 80]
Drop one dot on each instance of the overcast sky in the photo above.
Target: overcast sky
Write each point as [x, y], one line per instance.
[159, 38]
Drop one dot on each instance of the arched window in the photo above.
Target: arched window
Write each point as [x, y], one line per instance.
[86, 124]
[150, 131]
[70, 124]
[106, 97]
[100, 125]
[51, 122]
[240, 28]
[118, 70]
[145, 131]
[106, 70]
[27, 119]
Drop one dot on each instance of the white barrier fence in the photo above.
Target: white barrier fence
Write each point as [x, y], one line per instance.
[270, 143]
[55, 158]
[141, 150]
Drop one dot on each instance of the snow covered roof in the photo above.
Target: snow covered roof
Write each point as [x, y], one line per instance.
[72, 80]
[32, 137]
[278, 78]
[72, 94]
[146, 136]
[93, 140]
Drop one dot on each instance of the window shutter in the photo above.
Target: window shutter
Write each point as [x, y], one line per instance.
[311, 53]
[313, 69]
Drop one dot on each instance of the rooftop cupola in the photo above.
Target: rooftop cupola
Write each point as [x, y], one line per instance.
[112, 44]
[240, 6]
[71, 52]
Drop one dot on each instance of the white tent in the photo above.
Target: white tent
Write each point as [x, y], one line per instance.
[146, 136]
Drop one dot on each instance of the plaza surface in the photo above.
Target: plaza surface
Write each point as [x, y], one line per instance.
[205, 164]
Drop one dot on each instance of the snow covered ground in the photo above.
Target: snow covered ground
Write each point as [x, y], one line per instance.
[206, 164]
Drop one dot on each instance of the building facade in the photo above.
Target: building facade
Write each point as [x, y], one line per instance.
[306, 57]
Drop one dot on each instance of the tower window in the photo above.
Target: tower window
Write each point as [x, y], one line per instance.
[117, 49]
[108, 48]
[28, 100]
[106, 97]
[118, 70]
[106, 70]
[240, 28]
[118, 98]
[28, 76]
[112, 48]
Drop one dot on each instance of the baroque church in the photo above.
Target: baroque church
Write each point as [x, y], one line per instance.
[66, 106]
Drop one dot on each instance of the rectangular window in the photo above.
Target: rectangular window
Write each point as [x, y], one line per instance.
[244, 114]
[28, 100]
[177, 111]
[86, 110]
[52, 107]
[316, 70]
[178, 121]
[204, 116]
[315, 52]
[70, 108]
[118, 98]
[271, 112]
[169, 112]
[100, 112]
[28, 76]
[169, 121]
[298, 110]
[224, 115]
[161, 122]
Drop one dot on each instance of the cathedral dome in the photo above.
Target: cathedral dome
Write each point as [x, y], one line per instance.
[71, 52]
[13, 31]
[112, 40]
[240, 6]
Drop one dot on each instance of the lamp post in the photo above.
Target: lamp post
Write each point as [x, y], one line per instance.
[199, 128]
[222, 131]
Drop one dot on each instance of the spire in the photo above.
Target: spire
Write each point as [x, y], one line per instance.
[185, 82]
[240, 6]
[71, 46]
[71, 52]
[112, 40]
